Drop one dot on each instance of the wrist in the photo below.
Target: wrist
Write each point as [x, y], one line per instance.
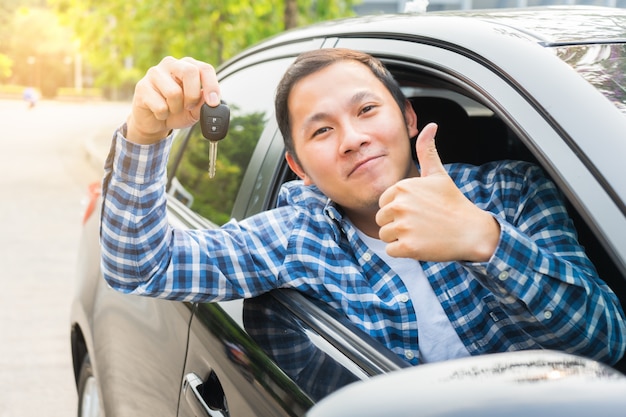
[133, 133]
[487, 240]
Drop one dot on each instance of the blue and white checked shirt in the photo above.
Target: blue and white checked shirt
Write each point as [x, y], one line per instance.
[538, 290]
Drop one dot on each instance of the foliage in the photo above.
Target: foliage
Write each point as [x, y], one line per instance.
[214, 198]
[38, 49]
[123, 38]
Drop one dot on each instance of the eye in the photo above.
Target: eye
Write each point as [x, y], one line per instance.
[320, 131]
[367, 108]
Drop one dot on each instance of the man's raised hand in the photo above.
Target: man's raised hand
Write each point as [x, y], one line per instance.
[170, 96]
[428, 218]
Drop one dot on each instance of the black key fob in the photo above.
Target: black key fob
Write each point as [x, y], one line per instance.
[214, 121]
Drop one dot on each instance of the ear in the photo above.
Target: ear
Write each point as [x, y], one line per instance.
[295, 167]
[411, 119]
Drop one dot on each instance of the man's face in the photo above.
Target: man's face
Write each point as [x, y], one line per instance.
[350, 136]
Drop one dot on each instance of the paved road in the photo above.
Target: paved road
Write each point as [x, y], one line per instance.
[44, 173]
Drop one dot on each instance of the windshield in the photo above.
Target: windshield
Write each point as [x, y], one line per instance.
[603, 65]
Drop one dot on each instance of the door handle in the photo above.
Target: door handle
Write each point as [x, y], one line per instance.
[205, 398]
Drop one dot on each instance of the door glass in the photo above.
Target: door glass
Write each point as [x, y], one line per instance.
[307, 358]
[251, 104]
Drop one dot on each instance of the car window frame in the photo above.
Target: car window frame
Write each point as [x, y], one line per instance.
[507, 101]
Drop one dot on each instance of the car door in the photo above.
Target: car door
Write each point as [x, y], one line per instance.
[224, 358]
[137, 350]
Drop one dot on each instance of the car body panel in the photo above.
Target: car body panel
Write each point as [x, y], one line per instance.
[112, 330]
[253, 385]
[578, 24]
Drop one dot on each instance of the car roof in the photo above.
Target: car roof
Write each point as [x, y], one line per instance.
[546, 25]
[555, 25]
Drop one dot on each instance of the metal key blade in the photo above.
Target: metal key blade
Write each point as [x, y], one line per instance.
[214, 122]
[212, 157]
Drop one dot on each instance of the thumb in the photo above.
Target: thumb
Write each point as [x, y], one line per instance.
[427, 154]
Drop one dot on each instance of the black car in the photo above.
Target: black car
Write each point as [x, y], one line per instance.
[544, 85]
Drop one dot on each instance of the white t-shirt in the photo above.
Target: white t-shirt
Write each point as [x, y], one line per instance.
[437, 339]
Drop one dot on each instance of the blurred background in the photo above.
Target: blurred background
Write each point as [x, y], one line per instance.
[69, 49]
[77, 49]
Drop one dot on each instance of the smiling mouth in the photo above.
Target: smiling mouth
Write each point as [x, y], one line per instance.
[362, 162]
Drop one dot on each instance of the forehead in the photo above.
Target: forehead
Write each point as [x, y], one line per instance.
[338, 78]
[338, 71]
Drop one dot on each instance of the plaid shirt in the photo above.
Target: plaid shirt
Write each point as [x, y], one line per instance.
[538, 291]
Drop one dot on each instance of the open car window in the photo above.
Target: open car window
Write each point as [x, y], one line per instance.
[471, 131]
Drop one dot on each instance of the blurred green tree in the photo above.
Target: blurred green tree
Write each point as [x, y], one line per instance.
[121, 39]
[36, 50]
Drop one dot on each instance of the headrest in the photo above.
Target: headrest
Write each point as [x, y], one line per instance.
[454, 137]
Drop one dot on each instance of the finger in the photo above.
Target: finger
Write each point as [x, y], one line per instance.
[187, 75]
[396, 249]
[152, 93]
[387, 233]
[208, 81]
[210, 86]
[427, 155]
[387, 196]
[383, 217]
[154, 102]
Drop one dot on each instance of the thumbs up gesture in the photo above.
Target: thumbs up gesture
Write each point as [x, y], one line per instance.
[429, 219]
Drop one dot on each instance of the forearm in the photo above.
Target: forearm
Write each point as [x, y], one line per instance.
[548, 285]
[143, 255]
[134, 229]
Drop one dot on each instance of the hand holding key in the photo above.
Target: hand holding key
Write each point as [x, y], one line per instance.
[169, 97]
[214, 123]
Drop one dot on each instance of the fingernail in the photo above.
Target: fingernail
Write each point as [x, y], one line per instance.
[214, 98]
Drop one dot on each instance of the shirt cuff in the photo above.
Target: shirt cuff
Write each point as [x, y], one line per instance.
[512, 266]
[140, 164]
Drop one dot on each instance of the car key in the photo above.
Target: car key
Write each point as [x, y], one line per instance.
[214, 123]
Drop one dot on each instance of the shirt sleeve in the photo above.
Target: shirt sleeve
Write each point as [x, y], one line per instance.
[143, 255]
[543, 278]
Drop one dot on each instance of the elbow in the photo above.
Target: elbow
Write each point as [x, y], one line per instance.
[118, 277]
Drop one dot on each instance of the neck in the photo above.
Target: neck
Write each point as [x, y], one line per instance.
[365, 221]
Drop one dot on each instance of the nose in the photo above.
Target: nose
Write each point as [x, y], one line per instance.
[352, 139]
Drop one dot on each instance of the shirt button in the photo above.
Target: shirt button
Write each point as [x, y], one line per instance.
[367, 257]
[409, 354]
[547, 314]
[503, 275]
[403, 298]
